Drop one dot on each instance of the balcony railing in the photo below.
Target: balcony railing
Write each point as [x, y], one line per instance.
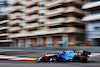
[56, 21]
[55, 11]
[32, 25]
[14, 8]
[91, 5]
[74, 9]
[66, 10]
[72, 30]
[64, 20]
[76, 1]
[3, 28]
[13, 1]
[5, 40]
[32, 17]
[29, 10]
[15, 22]
[92, 17]
[14, 28]
[4, 21]
[28, 3]
[4, 34]
[16, 14]
[73, 19]
[55, 2]
[15, 17]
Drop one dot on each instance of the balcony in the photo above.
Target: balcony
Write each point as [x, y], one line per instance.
[14, 8]
[3, 28]
[65, 10]
[74, 9]
[32, 17]
[75, 1]
[94, 34]
[73, 19]
[56, 2]
[23, 32]
[14, 29]
[5, 40]
[28, 3]
[55, 21]
[13, 1]
[64, 20]
[29, 10]
[15, 22]
[4, 34]
[53, 3]
[91, 5]
[92, 17]
[16, 14]
[11, 18]
[55, 11]
[4, 21]
[73, 30]
[60, 42]
[49, 31]
[32, 25]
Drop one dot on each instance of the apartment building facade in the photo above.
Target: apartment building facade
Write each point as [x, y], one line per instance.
[4, 40]
[47, 23]
[92, 20]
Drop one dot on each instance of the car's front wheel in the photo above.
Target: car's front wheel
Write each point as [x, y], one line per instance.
[45, 59]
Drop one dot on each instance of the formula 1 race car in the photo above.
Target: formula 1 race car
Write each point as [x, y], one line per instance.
[66, 56]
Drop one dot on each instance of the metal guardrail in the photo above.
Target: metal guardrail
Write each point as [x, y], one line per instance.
[92, 48]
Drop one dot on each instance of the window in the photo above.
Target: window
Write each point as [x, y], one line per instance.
[60, 45]
[21, 43]
[95, 12]
[80, 38]
[39, 42]
[49, 41]
[28, 42]
[97, 28]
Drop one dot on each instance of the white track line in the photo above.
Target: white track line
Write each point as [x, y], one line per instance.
[19, 59]
[12, 57]
[94, 54]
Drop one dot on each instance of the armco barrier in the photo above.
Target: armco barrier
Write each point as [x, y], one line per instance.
[93, 49]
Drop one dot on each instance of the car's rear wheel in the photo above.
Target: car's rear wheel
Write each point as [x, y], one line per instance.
[45, 59]
[58, 59]
[83, 59]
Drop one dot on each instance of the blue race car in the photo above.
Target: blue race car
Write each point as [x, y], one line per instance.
[66, 56]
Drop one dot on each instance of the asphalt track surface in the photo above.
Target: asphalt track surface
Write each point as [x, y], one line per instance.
[92, 62]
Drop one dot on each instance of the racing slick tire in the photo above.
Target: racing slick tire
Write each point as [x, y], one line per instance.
[58, 59]
[45, 59]
[83, 59]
